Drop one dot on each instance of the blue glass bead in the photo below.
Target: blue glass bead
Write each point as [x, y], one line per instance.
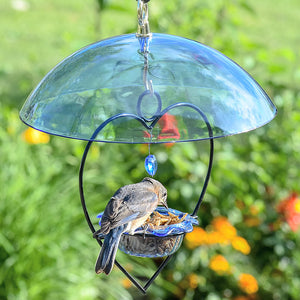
[151, 164]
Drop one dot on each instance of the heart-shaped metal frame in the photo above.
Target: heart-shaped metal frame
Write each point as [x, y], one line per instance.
[144, 121]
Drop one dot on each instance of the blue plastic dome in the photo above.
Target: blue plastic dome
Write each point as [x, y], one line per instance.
[106, 79]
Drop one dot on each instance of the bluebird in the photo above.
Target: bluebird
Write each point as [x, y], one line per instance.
[127, 210]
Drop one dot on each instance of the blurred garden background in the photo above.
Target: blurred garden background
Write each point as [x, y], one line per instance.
[247, 244]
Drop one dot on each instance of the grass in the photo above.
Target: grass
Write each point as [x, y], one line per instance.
[273, 28]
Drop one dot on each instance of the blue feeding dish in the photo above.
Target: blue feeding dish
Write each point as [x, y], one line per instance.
[106, 79]
[159, 241]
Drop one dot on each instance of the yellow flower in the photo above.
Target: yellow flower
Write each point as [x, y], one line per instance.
[240, 244]
[248, 283]
[32, 136]
[196, 238]
[126, 283]
[219, 264]
[222, 225]
[193, 280]
[297, 206]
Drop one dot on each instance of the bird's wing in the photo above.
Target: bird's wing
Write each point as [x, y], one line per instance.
[131, 207]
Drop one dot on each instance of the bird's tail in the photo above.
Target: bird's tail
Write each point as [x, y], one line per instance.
[106, 258]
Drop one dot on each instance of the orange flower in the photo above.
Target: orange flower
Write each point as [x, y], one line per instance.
[219, 264]
[215, 237]
[290, 209]
[248, 283]
[32, 136]
[196, 238]
[222, 225]
[224, 233]
[241, 245]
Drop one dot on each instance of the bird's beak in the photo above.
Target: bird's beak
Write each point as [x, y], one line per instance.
[165, 204]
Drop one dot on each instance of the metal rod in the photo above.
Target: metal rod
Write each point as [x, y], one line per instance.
[129, 276]
[163, 264]
[83, 204]
[211, 154]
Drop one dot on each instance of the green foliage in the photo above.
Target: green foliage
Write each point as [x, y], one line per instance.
[46, 249]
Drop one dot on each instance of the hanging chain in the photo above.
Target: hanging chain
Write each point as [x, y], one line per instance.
[144, 36]
[143, 23]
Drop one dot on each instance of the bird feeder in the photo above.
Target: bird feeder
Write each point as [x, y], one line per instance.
[147, 88]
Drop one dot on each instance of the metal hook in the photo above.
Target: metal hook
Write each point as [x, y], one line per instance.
[147, 83]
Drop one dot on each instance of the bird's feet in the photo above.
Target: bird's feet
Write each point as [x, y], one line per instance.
[143, 230]
[98, 235]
